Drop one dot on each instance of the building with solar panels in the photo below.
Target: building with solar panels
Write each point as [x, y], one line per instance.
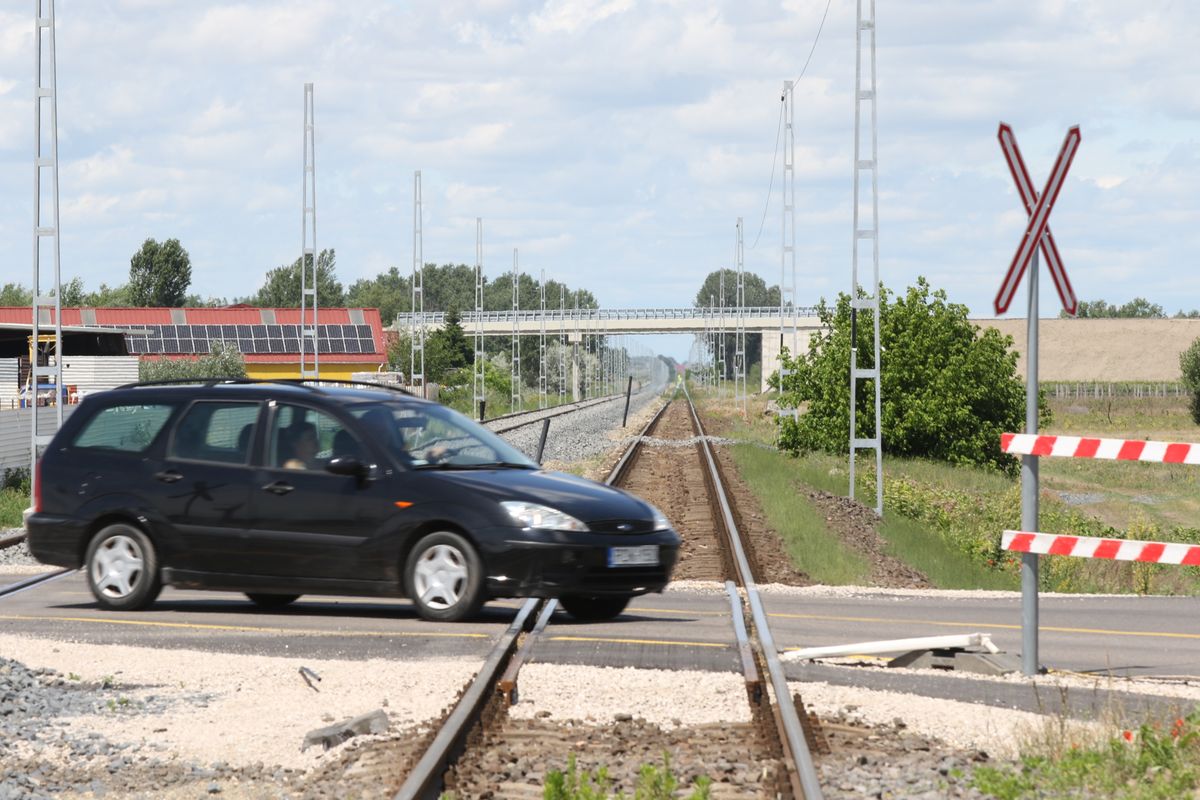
[349, 339]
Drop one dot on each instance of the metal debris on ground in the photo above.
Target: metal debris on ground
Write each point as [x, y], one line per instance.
[331, 736]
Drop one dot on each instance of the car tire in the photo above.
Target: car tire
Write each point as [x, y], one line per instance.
[122, 568]
[594, 608]
[443, 577]
[272, 600]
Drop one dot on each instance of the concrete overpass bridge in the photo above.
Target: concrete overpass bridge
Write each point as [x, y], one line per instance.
[576, 324]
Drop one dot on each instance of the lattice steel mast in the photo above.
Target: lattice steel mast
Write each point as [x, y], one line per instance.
[562, 343]
[870, 300]
[739, 355]
[787, 250]
[309, 333]
[480, 354]
[46, 309]
[515, 399]
[416, 333]
[542, 343]
[719, 365]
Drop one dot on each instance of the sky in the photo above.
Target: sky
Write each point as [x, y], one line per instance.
[613, 142]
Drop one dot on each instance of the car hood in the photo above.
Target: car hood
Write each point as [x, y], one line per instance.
[581, 498]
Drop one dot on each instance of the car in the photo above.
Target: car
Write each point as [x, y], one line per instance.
[278, 489]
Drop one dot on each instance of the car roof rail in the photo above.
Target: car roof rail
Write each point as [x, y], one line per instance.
[311, 384]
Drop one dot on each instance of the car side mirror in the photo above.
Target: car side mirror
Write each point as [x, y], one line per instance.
[348, 466]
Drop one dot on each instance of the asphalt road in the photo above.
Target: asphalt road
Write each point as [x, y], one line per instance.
[1112, 637]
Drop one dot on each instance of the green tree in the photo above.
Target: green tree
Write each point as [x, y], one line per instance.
[949, 389]
[1137, 308]
[159, 274]
[14, 294]
[389, 291]
[72, 293]
[108, 297]
[755, 293]
[1189, 368]
[222, 361]
[282, 286]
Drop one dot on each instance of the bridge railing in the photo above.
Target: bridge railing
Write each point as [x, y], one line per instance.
[587, 316]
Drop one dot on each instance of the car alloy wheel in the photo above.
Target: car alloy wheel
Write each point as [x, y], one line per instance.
[122, 568]
[445, 577]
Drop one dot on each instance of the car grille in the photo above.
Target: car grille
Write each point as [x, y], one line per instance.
[630, 526]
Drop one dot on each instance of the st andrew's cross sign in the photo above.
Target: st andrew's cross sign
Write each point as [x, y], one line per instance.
[1037, 231]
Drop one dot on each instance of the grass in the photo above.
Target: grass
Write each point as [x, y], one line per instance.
[813, 548]
[12, 504]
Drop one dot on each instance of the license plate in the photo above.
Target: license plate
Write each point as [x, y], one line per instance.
[641, 556]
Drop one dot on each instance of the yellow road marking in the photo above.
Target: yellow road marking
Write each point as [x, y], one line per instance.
[248, 628]
[994, 625]
[664, 642]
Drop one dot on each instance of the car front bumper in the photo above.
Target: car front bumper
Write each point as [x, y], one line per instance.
[536, 563]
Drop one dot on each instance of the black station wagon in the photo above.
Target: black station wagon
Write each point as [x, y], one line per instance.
[278, 489]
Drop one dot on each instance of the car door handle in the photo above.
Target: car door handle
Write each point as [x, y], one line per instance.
[278, 487]
[169, 476]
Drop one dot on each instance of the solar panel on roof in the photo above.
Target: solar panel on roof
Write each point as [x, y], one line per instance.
[337, 345]
[229, 331]
[214, 331]
[274, 331]
[352, 346]
[364, 331]
[276, 345]
[261, 345]
[243, 332]
[245, 345]
[260, 331]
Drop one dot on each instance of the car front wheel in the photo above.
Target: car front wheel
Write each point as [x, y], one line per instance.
[444, 577]
[122, 568]
[594, 608]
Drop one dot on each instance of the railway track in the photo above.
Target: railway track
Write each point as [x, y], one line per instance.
[510, 422]
[478, 750]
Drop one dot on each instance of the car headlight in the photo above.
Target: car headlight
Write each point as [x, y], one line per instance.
[532, 515]
[661, 523]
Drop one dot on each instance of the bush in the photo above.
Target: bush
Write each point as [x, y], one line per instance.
[17, 479]
[223, 360]
[948, 389]
[1189, 367]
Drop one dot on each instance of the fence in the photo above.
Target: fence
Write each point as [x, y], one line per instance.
[1097, 390]
[15, 434]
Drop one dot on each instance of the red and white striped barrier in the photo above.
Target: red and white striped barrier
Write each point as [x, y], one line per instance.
[1094, 547]
[1031, 444]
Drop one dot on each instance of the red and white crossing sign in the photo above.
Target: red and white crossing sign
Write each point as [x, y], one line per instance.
[1037, 232]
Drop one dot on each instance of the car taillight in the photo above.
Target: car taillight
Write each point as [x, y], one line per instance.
[37, 487]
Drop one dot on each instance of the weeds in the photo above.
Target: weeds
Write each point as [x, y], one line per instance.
[654, 783]
[1151, 762]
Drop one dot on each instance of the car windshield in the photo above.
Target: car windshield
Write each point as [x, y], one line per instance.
[429, 436]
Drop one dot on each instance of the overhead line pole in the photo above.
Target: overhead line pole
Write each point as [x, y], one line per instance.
[739, 356]
[480, 383]
[46, 309]
[309, 332]
[869, 301]
[787, 252]
[417, 329]
[515, 399]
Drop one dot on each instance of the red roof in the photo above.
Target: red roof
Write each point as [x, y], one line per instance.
[236, 315]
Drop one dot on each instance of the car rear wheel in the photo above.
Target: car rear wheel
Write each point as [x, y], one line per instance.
[594, 608]
[272, 600]
[444, 577]
[122, 568]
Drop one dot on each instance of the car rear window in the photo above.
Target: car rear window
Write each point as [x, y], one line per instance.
[127, 428]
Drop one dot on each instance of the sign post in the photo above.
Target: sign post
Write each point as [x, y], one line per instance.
[1037, 237]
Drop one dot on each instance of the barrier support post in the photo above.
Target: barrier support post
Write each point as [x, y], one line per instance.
[1029, 487]
[542, 441]
[628, 392]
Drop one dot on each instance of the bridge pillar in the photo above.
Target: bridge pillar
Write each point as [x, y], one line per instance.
[575, 369]
[771, 349]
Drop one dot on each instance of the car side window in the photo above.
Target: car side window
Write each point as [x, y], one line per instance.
[125, 428]
[215, 431]
[305, 438]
